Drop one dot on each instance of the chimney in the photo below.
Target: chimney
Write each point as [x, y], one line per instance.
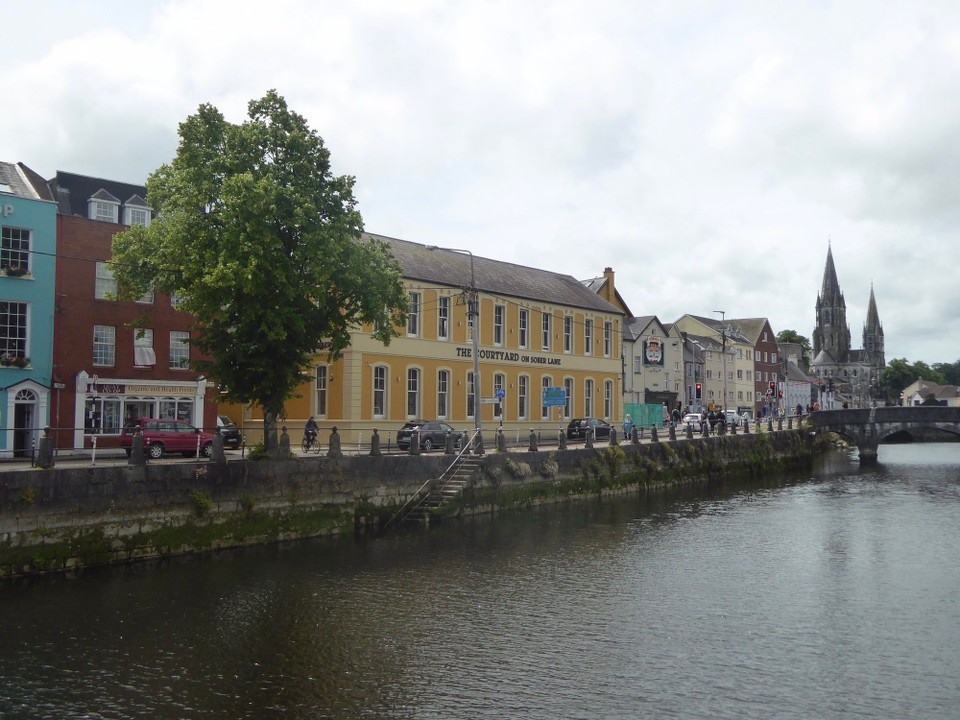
[609, 292]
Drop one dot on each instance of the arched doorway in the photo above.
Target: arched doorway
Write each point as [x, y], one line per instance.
[25, 408]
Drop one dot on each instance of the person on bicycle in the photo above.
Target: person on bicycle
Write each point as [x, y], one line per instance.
[310, 430]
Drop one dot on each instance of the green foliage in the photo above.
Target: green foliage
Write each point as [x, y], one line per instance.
[264, 246]
[949, 371]
[549, 467]
[28, 495]
[792, 336]
[258, 452]
[519, 470]
[202, 503]
[900, 373]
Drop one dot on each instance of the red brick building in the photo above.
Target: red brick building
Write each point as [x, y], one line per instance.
[104, 370]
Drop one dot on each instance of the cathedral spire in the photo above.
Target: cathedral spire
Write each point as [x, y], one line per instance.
[830, 292]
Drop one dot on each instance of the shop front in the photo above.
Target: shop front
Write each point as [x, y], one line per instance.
[103, 405]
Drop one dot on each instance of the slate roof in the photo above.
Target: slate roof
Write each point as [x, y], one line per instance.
[452, 269]
[72, 191]
[11, 177]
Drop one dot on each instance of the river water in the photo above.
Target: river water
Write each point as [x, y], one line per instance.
[831, 595]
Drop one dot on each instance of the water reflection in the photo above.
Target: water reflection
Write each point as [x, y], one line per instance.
[825, 595]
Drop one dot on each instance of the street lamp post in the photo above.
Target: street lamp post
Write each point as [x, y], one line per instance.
[473, 312]
[723, 335]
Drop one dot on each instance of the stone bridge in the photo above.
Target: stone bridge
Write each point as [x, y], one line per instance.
[868, 427]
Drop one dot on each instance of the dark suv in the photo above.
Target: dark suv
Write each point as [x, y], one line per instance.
[433, 434]
[166, 436]
[231, 436]
[577, 429]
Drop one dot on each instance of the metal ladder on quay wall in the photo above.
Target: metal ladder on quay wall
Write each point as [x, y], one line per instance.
[436, 493]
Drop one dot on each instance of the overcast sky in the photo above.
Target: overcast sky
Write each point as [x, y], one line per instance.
[707, 152]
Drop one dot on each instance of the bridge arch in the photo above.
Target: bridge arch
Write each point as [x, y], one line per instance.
[868, 427]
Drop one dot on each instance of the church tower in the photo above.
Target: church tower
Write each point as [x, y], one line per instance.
[873, 335]
[832, 334]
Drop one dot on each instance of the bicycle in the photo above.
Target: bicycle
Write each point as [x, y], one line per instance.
[310, 443]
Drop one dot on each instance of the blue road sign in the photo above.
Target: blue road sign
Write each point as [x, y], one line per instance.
[554, 397]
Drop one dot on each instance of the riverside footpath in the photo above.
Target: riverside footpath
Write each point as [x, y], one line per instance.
[78, 514]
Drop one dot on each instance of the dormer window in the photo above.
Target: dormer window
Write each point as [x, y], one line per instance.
[136, 212]
[103, 207]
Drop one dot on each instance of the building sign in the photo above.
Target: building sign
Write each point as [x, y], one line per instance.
[160, 389]
[508, 356]
[653, 351]
[554, 397]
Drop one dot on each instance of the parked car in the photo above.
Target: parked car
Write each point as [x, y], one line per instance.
[165, 436]
[577, 429]
[433, 434]
[229, 431]
[692, 419]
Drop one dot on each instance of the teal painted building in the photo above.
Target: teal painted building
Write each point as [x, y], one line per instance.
[28, 244]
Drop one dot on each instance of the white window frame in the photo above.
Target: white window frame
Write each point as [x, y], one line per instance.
[546, 325]
[499, 318]
[607, 339]
[588, 337]
[380, 379]
[105, 283]
[568, 333]
[413, 315]
[443, 394]
[179, 350]
[104, 345]
[523, 329]
[443, 317]
[15, 336]
[413, 392]
[321, 378]
[15, 245]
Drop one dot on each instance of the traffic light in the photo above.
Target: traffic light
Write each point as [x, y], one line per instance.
[699, 391]
[773, 385]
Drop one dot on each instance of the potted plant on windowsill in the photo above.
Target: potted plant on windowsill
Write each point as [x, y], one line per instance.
[16, 270]
[8, 360]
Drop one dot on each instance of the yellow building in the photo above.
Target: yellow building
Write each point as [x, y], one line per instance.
[537, 330]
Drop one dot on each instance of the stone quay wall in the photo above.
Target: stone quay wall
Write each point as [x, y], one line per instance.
[66, 519]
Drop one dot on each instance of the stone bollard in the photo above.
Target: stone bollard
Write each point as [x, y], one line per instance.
[588, 439]
[653, 433]
[137, 456]
[706, 428]
[746, 427]
[635, 434]
[673, 432]
[501, 441]
[478, 445]
[284, 446]
[758, 426]
[216, 450]
[689, 431]
[779, 423]
[448, 448]
[533, 441]
[45, 451]
[375, 444]
[790, 423]
[733, 427]
[414, 443]
[334, 450]
[769, 424]
[614, 440]
[562, 440]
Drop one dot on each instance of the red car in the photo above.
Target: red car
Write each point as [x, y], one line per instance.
[166, 436]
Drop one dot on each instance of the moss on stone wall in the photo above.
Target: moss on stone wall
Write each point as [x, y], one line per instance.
[226, 507]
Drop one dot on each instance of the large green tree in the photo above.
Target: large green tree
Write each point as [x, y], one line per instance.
[264, 246]
[900, 372]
